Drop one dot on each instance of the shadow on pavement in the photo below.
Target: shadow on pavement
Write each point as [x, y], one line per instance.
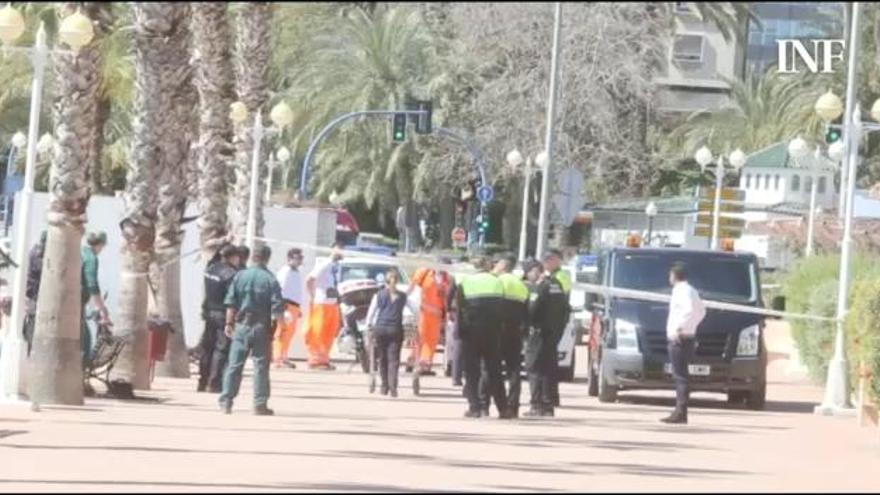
[329, 486]
[796, 407]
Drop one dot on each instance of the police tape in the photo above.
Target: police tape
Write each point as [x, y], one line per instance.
[431, 262]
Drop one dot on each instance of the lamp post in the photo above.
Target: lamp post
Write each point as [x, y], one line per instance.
[282, 155]
[515, 160]
[650, 212]
[548, 138]
[76, 31]
[704, 157]
[281, 116]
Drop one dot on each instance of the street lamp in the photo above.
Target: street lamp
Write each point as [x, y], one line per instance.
[281, 116]
[651, 212]
[282, 155]
[45, 144]
[76, 31]
[704, 158]
[515, 160]
[798, 150]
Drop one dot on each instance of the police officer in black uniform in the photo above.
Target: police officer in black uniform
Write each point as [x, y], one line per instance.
[480, 297]
[548, 312]
[214, 343]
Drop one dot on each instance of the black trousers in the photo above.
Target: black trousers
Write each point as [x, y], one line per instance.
[482, 347]
[542, 364]
[511, 365]
[214, 345]
[388, 346]
[680, 356]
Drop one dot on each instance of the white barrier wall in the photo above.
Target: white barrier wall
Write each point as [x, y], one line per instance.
[305, 225]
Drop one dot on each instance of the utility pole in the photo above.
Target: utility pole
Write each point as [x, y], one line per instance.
[548, 140]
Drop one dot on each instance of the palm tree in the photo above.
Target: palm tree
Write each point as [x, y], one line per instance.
[155, 59]
[762, 111]
[56, 373]
[215, 84]
[175, 158]
[253, 53]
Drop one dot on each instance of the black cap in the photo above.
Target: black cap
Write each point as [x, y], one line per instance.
[229, 250]
[244, 251]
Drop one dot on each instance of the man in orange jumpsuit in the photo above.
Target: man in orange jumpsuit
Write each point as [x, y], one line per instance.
[292, 294]
[324, 318]
[434, 285]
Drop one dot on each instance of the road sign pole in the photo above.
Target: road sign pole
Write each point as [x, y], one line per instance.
[548, 138]
[716, 210]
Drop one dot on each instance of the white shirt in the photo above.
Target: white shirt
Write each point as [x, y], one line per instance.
[291, 284]
[686, 311]
[324, 279]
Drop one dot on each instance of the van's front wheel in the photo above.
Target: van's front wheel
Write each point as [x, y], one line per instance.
[607, 392]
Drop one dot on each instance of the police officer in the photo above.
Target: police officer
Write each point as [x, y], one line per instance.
[565, 282]
[548, 313]
[514, 318]
[479, 302]
[252, 302]
[214, 343]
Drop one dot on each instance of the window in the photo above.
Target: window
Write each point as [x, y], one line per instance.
[796, 183]
[758, 181]
[776, 183]
[748, 181]
[823, 183]
[688, 48]
[767, 181]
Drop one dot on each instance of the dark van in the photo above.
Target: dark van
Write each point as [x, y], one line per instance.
[628, 336]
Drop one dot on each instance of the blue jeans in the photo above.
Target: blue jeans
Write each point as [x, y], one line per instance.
[248, 339]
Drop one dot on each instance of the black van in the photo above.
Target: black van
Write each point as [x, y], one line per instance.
[628, 336]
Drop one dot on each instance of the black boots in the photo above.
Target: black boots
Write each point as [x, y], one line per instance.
[263, 411]
[677, 417]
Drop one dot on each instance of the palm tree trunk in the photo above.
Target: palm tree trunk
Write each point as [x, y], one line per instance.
[176, 162]
[215, 84]
[155, 62]
[252, 57]
[55, 371]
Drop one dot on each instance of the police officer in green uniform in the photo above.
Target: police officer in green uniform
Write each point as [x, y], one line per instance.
[253, 299]
[548, 312]
[514, 318]
[479, 301]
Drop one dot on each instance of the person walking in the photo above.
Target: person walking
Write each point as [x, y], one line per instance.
[32, 290]
[479, 299]
[324, 318]
[514, 318]
[214, 344]
[686, 311]
[91, 292]
[548, 313]
[434, 287]
[385, 320]
[290, 280]
[252, 301]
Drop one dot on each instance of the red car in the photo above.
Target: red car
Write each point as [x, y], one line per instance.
[347, 229]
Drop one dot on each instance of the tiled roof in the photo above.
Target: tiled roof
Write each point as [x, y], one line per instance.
[828, 232]
[776, 156]
[683, 205]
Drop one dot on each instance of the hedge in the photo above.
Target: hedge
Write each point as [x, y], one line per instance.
[811, 287]
[863, 325]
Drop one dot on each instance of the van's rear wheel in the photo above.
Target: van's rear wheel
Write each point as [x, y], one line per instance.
[757, 398]
[607, 392]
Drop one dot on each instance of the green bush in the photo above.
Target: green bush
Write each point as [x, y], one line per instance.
[863, 325]
[811, 287]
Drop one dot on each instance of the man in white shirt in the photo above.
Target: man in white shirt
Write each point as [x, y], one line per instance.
[686, 311]
[324, 317]
[290, 280]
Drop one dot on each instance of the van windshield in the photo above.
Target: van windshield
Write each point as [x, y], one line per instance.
[720, 278]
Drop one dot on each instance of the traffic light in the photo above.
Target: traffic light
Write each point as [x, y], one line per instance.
[483, 223]
[423, 123]
[398, 127]
[832, 135]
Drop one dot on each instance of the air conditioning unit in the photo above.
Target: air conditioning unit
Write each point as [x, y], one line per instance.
[688, 48]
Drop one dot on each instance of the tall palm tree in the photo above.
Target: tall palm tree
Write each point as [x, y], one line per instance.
[176, 157]
[215, 84]
[763, 110]
[155, 58]
[253, 53]
[56, 373]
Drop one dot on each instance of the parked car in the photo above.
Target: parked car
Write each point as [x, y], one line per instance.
[628, 336]
[347, 228]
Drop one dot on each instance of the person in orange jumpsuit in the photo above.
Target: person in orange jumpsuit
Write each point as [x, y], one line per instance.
[292, 294]
[434, 285]
[324, 318]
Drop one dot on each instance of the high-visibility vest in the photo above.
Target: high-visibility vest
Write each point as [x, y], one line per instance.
[564, 279]
[514, 288]
[480, 287]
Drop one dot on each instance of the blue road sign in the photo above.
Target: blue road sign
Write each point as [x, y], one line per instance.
[485, 194]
